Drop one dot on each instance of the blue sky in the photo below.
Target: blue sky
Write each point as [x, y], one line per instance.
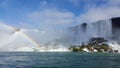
[55, 14]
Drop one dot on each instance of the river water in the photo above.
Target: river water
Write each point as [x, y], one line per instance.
[59, 60]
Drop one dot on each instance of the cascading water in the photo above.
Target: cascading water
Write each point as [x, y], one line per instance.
[101, 28]
[85, 31]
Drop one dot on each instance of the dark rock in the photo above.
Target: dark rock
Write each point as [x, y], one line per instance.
[110, 51]
[116, 22]
[96, 41]
[116, 51]
[84, 27]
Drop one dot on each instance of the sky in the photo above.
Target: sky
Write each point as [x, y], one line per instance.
[56, 14]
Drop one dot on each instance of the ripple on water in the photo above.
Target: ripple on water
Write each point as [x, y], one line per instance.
[58, 60]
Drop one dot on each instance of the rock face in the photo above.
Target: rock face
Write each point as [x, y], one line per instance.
[116, 22]
[116, 28]
[84, 27]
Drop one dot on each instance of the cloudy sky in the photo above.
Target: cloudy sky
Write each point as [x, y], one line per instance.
[56, 14]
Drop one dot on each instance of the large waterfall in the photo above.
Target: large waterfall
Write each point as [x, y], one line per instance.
[85, 31]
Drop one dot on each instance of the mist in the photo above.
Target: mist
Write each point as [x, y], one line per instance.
[14, 39]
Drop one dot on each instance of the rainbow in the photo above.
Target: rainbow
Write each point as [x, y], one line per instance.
[14, 30]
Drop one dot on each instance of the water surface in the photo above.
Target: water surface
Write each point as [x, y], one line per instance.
[59, 60]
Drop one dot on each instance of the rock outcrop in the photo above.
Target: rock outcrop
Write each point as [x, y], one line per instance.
[94, 45]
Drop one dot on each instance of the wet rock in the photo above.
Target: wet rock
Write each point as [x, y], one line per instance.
[94, 45]
[111, 51]
[116, 51]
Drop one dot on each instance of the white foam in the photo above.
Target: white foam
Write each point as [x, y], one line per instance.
[114, 45]
[86, 50]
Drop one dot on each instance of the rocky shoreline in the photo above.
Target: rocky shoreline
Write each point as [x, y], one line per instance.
[94, 45]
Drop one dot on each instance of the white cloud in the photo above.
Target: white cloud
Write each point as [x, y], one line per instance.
[43, 3]
[113, 2]
[99, 14]
[106, 11]
[52, 17]
[24, 25]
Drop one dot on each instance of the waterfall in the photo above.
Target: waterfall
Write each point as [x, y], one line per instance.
[85, 31]
[102, 28]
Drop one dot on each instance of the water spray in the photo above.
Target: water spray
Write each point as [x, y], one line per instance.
[30, 39]
[20, 31]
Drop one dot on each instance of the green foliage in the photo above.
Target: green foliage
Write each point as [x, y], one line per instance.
[106, 48]
[75, 49]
